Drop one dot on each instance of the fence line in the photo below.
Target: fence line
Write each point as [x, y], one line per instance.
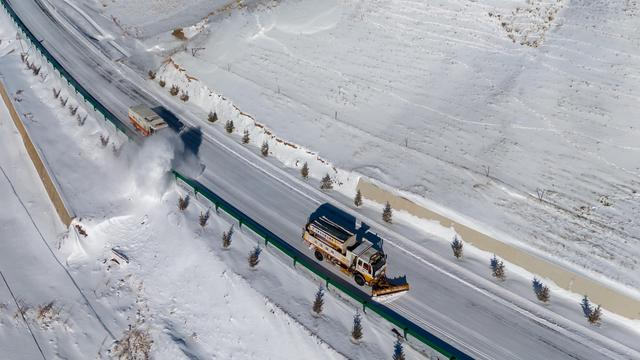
[409, 328]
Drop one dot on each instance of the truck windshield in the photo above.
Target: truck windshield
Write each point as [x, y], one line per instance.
[377, 261]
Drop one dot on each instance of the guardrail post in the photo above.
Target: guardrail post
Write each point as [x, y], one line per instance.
[266, 241]
[240, 222]
[295, 260]
[364, 306]
[404, 331]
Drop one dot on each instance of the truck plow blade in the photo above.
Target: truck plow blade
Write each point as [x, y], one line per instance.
[386, 287]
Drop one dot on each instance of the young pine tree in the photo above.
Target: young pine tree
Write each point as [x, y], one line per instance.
[212, 117]
[497, 268]
[226, 238]
[304, 172]
[398, 351]
[592, 314]
[204, 217]
[357, 201]
[326, 183]
[356, 332]
[245, 137]
[265, 148]
[229, 127]
[254, 257]
[318, 303]
[183, 202]
[541, 290]
[456, 246]
[387, 213]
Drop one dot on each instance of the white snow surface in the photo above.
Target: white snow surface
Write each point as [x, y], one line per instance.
[430, 97]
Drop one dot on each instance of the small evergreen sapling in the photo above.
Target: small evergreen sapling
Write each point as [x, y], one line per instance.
[183, 202]
[184, 96]
[226, 238]
[356, 332]
[592, 314]
[387, 213]
[318, 303]
[541, 290]
[264, 150]
[204, 217]
[304, 172]
[212, 117]
[357, 201]
[245, 137]
[162, 83]
[104, 140]
[456, 246]
[229, 127]
[254, 257]
[152, 74]
[497, 268]
[398, 351]
[174, 90]
[326, 183]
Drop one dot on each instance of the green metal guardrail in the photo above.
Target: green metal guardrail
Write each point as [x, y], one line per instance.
[330, 279]
[409, 327]
[71, 81]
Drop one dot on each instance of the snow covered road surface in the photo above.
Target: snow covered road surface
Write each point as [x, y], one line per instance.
[457, 307]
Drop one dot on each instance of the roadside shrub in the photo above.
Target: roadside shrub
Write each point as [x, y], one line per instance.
[497, 268]
[541, 290]
[318, 303]
[245, 137]
[357, 200]
[254, 257]
[456, 246]
[592, 314]
[387, 213]
[204, 218]
[184, 96]
[229, 127]
[162, 83]
[304, 172]
[174, 90]
[356, 331]
[104, 140]
[183, 202]
[226, 238]
[264, 150]
[212, 117]
[326, 183]
[152, 74]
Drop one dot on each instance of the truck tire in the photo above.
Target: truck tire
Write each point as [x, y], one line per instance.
[359, 279]
[319, 255]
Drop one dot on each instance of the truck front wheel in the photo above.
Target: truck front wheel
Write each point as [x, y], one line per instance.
[319, 255]
[359, 279]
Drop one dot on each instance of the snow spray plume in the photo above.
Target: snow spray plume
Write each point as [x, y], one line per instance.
[151, 163]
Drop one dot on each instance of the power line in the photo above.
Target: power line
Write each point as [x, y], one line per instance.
[22, 315]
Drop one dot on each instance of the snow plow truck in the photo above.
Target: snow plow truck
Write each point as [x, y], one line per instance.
[145, 120]
[334, 236]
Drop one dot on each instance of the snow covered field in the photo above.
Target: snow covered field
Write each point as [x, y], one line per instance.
[168, 279]
[125, 219]
[475, 106]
